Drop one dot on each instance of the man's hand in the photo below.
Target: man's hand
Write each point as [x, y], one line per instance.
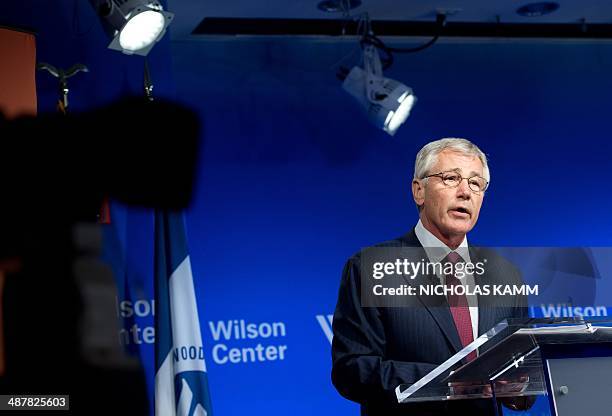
[459, 388]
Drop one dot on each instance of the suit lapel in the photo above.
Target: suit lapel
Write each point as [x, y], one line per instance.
[444, 319]
[486, 306]
[437, 306]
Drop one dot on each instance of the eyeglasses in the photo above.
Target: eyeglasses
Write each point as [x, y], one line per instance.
[452, 179]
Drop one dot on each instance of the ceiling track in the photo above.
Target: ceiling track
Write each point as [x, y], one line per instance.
[339, 27]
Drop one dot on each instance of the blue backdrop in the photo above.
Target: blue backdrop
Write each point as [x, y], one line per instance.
[292, 180]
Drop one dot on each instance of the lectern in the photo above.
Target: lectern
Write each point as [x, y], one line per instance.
[568, 361]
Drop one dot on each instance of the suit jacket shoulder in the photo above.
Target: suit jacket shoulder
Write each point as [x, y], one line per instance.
[407, 240]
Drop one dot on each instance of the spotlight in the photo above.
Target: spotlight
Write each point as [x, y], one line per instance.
[387, 102]
[133, 25]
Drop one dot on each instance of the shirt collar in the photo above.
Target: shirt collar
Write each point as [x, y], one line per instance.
[435, 249]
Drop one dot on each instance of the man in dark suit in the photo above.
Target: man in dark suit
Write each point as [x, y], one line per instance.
[377, 348]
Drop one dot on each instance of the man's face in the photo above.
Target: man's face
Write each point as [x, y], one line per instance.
[449, 213]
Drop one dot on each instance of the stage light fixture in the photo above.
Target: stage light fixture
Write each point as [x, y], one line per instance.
[134, 25]
[386, 101]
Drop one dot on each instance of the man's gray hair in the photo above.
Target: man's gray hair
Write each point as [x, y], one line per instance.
[428, 155]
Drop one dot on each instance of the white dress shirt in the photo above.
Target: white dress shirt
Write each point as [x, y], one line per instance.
[436, 251]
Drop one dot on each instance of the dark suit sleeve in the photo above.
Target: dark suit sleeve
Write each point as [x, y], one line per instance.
[360, 371]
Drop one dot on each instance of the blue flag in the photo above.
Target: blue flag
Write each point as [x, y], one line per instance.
[181, 385]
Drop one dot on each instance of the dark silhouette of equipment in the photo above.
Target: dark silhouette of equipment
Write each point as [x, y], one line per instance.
[56, 171]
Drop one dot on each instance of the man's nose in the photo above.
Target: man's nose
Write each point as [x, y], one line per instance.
[463, 189]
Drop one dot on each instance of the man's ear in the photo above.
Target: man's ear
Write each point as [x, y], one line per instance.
[418, 192]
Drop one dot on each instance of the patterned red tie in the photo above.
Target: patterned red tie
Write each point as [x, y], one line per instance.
[459, 306]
